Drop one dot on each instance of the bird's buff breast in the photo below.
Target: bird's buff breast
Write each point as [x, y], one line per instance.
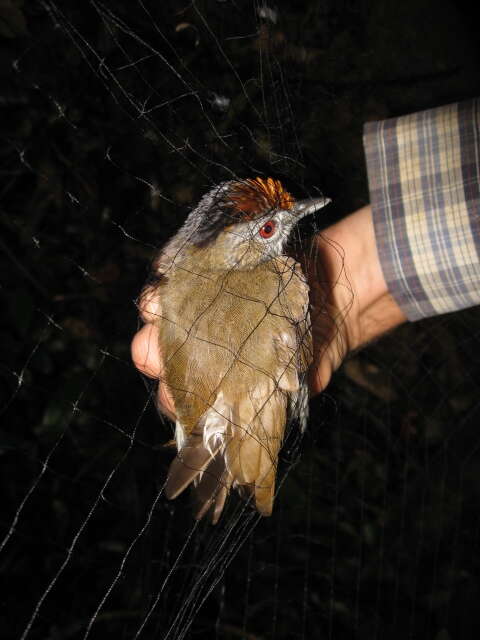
[217, 330]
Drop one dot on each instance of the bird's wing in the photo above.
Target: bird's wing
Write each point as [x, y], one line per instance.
[294, 300]
[235, 444]
[234, 422]
[294, 346]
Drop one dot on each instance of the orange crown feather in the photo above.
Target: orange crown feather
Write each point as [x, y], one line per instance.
[256, 195]
[235, 201]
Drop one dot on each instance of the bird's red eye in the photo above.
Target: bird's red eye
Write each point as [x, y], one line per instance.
[268, 229]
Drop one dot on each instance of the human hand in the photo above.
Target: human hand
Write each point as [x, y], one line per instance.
[146, 352]
[350, 304]
[350, 301]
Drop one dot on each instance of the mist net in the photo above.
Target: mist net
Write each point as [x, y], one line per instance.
[118, 117]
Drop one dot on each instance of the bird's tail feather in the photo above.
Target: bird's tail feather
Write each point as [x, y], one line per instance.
[211, 489]
[192, 459]
[235, 454]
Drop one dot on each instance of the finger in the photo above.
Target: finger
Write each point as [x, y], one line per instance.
[145, 352]
[149, 304]
[146, 357]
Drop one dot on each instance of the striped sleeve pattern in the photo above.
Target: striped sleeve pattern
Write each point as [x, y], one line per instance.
[424, 181]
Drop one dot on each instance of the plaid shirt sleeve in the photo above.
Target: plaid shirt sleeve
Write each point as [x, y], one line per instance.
[424, 180]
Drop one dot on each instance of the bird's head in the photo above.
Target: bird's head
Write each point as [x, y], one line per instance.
[240, 224]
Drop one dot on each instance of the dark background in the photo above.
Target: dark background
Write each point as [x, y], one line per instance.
[116, 117]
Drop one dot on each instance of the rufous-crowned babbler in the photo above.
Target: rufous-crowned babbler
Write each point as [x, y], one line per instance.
[234, 332]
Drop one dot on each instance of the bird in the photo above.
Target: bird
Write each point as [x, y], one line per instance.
[232, 311]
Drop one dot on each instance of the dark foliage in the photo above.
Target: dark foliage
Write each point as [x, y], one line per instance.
[117, 117]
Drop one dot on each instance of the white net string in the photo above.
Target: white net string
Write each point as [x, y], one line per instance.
[120, 116]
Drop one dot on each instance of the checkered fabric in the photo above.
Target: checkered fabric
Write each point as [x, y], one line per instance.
[424, 180]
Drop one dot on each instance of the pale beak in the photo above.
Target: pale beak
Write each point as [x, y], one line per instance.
[304, 208]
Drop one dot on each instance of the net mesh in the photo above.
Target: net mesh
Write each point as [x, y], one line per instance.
[118, 117]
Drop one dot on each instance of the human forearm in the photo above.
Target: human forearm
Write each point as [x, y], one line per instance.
[423, 174]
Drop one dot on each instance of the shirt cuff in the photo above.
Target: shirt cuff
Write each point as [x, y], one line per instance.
[424, 180]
